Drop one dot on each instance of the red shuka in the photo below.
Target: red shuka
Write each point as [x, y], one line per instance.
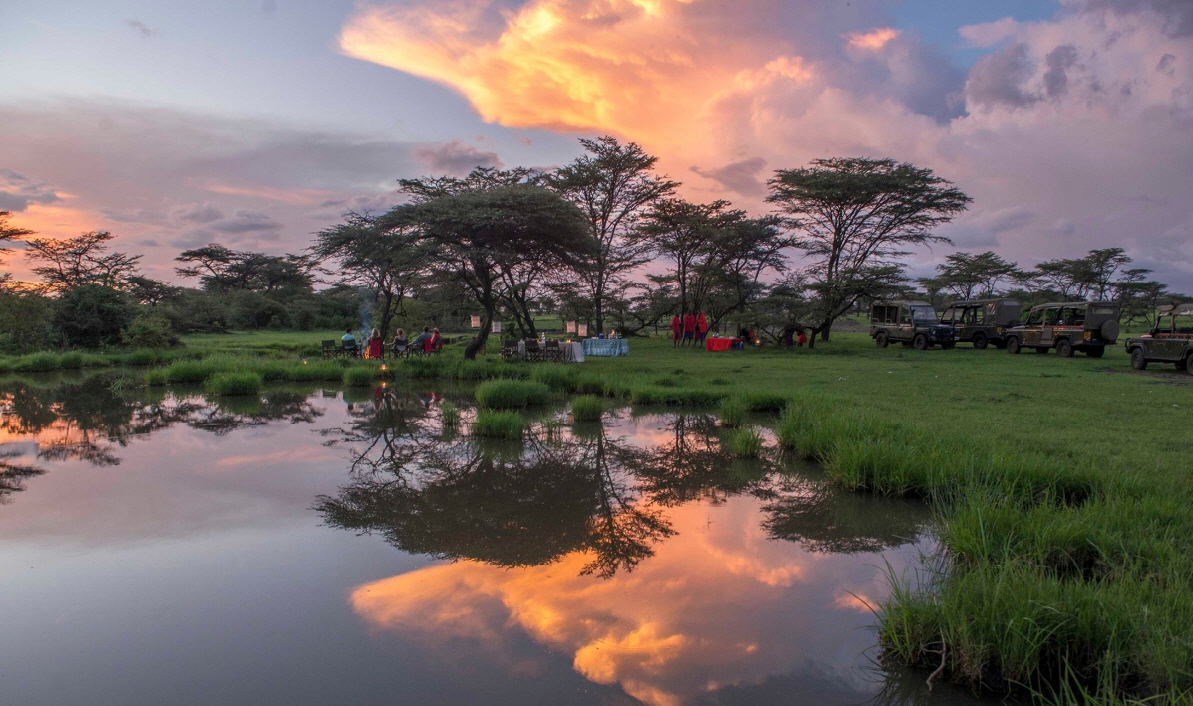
[689, 323]
[675, 326]
[701, 323]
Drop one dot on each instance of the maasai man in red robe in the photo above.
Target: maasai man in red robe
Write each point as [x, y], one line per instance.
[675, 331]
[689, 328]
[701, 327]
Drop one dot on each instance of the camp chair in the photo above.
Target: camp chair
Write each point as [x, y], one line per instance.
[352, 350]
[330, 350]
[533, 352]
[552, 352]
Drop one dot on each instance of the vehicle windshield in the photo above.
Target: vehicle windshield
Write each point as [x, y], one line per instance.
[923, 313]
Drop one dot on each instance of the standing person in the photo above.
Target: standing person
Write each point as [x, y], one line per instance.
[675, 330]
[689, 328]
[701, 327]
[376, 350]
[801, 339]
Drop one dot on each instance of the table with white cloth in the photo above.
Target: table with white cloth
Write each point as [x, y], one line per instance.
[606, 347]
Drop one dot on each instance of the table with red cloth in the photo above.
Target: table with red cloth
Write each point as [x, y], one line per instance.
[719, 344]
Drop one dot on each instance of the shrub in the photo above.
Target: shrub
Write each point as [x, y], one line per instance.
[744, 442]
[587, 408]
[359, 377]
[233, 384]
[508, 394]
[37, 363]
[141, 356]
[91, 315]
[151, 330]
[498, 425]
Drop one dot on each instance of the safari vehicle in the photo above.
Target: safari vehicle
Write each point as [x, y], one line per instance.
[1066, 326]
[912, 323]
[1170, 341]
[982, 321]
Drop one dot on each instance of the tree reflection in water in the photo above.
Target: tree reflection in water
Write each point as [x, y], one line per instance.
[91, 420]
[432, 490]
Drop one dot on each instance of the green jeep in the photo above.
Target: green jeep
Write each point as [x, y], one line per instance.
[982, 321]
[1066, 326]
[1170, 341]
[912, 323]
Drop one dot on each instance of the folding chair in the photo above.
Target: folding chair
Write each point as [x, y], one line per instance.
[330, 350]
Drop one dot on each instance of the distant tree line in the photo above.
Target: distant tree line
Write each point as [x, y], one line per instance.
[603, 241]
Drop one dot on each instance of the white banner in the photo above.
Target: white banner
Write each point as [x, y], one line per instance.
[496, 327]
[571, 327]
[582, 330]
[476, 322]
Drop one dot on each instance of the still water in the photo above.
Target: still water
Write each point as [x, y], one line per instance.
[330, 547]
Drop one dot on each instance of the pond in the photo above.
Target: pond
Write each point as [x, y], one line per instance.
[329, 547]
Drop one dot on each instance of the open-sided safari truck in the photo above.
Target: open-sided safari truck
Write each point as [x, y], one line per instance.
[1067, 326]
[982, 322]
[1169, 341]
[912, 323]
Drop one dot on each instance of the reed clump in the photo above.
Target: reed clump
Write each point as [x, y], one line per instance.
[360, 377]
[734, 411]
[232, 384]
[587, 408]
[743, 442]
[494, 424]
[511, 394]
[449, 415]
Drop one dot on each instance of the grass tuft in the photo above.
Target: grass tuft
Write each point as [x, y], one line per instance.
[587, 408]
[498, 425]
[510, 394]
[233, 384]
[743, 442]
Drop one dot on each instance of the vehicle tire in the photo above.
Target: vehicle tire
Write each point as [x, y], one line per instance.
[882, 340]
[1041, 349]
[980, 342]
[1064, 349]
[1189, 364]
[1138, 359]
[1013, 345]
[1109, 331]
[1095, 351]
[921, 342]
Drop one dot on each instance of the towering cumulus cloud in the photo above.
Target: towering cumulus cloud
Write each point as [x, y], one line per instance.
[1079, 123]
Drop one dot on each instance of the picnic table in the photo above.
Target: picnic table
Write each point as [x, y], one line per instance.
[606, 347]
[719, 344]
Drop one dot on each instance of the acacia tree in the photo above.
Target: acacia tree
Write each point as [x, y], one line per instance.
[686, 234]
[479, 234]
[8, 234]
[966, 275]
[854, 217]
[387, 260]
[221, 269]
[73, 262]
[613, 186]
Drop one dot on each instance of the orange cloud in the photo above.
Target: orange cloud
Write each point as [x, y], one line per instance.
[295, 197]
[872, 40]
[718, 605]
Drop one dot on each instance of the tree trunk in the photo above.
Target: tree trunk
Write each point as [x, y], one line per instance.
[477, 343]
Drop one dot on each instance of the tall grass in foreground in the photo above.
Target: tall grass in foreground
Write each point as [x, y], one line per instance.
[498, 425]
[449, 414]
[510, 394]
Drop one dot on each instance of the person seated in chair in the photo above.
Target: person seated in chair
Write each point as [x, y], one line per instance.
[435, 343]
[419, 344]
[400, 344]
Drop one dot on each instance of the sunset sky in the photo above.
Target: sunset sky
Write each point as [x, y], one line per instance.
[254, 124]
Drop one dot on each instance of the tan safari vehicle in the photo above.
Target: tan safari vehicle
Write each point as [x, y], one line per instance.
[982, 322]
[1170, 341]
[1068, 327]
[912, 323]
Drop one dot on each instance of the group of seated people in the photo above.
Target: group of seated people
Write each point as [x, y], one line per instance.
[429, 341]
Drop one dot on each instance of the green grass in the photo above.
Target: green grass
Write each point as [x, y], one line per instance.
[360, 377]
[734, 411]
[449, 414]
[743, 442]
[587, 408]
[498, 425]
[511, 394]
[233, 384]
